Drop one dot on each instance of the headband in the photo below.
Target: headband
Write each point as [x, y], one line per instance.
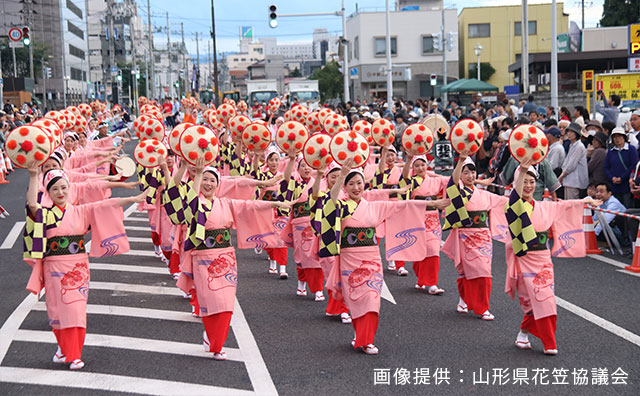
[214, 171]
[52, 174]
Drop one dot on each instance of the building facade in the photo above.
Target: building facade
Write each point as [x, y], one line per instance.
[498, 30]
[413, 55]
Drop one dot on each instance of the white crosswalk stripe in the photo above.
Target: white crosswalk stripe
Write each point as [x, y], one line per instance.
[247, 351]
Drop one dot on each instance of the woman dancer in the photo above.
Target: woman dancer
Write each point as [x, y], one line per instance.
[54, 246]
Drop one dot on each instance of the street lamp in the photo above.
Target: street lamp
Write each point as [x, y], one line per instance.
[478, 51]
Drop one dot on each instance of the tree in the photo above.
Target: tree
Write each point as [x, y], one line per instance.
[295, 73]
[40, 52]
[329, 81]
[486, 71]
[127, 77]
[620, 12]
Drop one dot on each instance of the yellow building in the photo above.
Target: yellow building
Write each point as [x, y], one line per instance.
[497, 30]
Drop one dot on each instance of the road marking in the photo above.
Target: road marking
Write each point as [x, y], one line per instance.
[131, 209]
[629, 273]
[128, 268]
[13, 322]
[142, 219]
[126, 287]
[146, 313]
[130, 343]
[607, 260]
[143, 253]
[113, 383]
[386, 293]
[134, 228]
[138, 239]
[15, 232]
[598, 321]
[256, 368]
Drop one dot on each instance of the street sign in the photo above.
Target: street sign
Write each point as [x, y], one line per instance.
[625, 85]
[587, 81]
[15, 34]
[634, 39]
[353, 73]
[114, 71]
[634, 65]
[16, 44]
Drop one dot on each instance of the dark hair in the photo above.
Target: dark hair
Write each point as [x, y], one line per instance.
[214, 174]
[351, 175]
[566, 112]
[272, 153]
[550, 122]
[605, 184]
[170, 153]
[608, 126]
[471, 167]
[530, 98]
[532, 174]
[616, 100]
[508, 121]
[52, 181]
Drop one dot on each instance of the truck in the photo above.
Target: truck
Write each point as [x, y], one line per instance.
[259, 91]
[305, 91]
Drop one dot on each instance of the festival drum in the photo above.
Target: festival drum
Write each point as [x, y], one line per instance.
[126, 167]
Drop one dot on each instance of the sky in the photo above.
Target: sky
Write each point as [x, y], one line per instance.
[232, 14]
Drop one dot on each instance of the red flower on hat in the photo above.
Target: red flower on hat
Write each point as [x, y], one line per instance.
[323, 152]
[471, 137]
[418, 138]
[533, 142]
[255, 138]
[203, 143]
[518, 135]
[26, 146]
[352, 146]
[536, 156]
[520, 152]
[292, 136]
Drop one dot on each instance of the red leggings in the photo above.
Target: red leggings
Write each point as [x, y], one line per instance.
[399, 264]
[194, 302]
[336, 307]
[278, 254]
[71, 341]
[544, 329]
[217, 328]
[365, 327]
[174, 262]
[476, 293]
[155, 237]
[314, 278]
[427, 270]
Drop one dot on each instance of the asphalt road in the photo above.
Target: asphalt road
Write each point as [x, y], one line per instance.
[284, 344]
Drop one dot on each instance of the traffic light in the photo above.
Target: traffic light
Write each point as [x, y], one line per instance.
[450, 41]
[26, 37]
[119, 76]
[48, 72]
[437, 41]
[434, 80]
[273, 16]
[137, 75]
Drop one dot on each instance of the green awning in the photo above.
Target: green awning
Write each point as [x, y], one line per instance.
[465, 85]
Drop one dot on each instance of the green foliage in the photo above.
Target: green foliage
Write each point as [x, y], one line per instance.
[486, 71]
[40, 51]
[620, 12]
[295, 73]
[329, 81]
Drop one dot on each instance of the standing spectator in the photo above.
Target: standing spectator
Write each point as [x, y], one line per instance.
[596, 162]
[556, 153]
[565, 114]
[529, 106]
[574, 176]
[618, 165]
[634, 125]
[609, 111]
[578, 112]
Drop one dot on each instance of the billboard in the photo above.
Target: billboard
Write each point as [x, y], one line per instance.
[246, 32]
[626, 85]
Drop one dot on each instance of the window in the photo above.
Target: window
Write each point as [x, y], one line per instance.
[157, 59]
[533, 28]
[380, 46]
[356, 42]
[75, 30]
[479, 30]
[77, 74]
[74, 8]
[75, 51]
[243, 59]
[427, 45]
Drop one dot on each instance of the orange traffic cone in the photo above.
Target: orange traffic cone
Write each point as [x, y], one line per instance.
[589, 233]
[635, 265]
[2, 179]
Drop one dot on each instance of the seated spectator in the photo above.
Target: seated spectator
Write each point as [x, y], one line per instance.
[620, 161]
[609, 202]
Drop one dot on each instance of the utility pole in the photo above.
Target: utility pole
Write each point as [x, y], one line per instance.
[27, 6]
[197, 72]
[169, 54]
[146, 74]
[345, 56]
[445, 48]
[134, 67]
[44, 87]
[150, 40]
[88, 72]
[112, 54]
[1, 84]
[63, 77]
[524, 59]
[184, 63]
[388, 55]
[215, 55]
[209, 64]
[15, 68]
[554, 56]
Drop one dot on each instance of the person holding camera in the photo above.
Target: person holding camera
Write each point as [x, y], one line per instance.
[610, 109]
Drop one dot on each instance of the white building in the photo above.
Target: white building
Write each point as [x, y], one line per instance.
[411, 48]
[240, 61]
